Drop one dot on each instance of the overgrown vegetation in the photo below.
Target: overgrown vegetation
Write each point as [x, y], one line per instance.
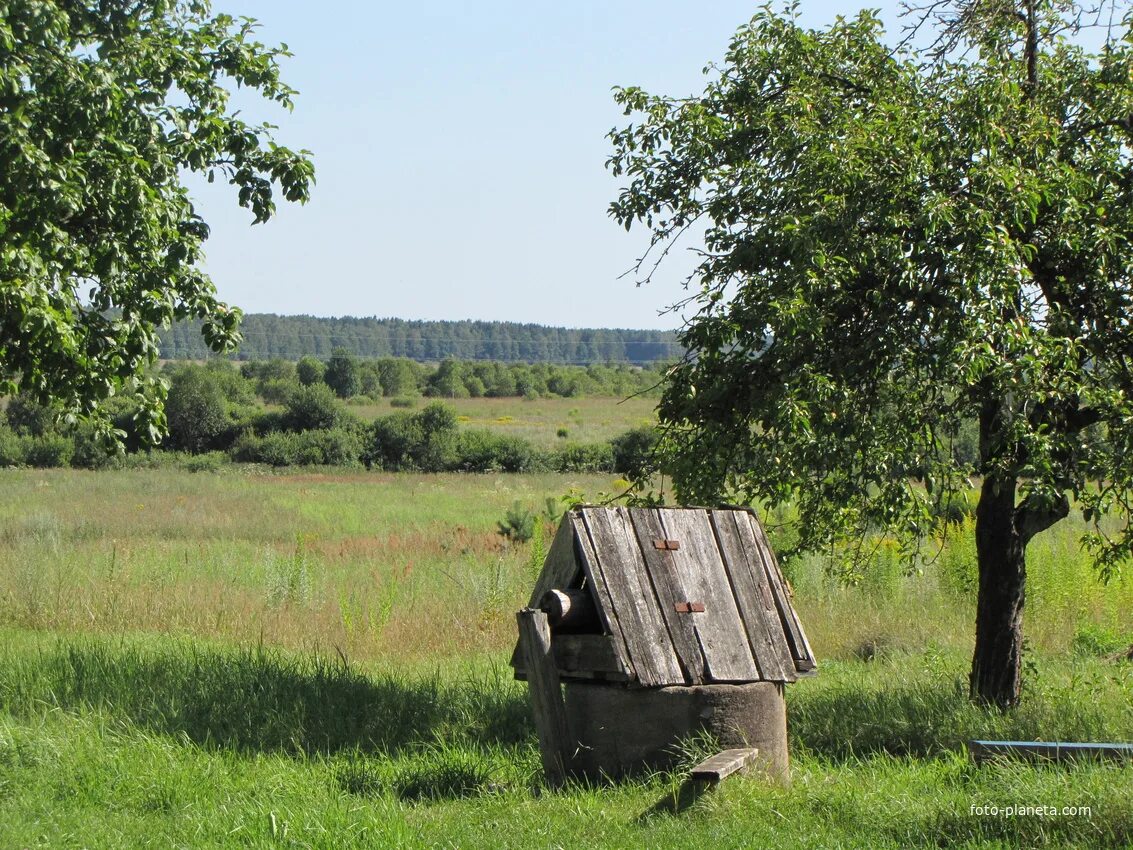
[282, 414]
[313, 660]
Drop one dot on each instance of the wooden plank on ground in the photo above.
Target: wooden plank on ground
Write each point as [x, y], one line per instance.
[796, 637]
[983, 751]
[670, 591]
[546, 694]
[753, 596]
[724, 764]
[607, 613]
[719, 629]
[651, 655]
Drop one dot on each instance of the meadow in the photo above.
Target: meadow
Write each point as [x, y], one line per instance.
[315, 658]
[546, 422]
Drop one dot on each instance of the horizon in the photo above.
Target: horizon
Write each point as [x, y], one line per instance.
[460, 157]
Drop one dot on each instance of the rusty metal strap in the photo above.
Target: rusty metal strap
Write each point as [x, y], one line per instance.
[688, 607]
[667, 545]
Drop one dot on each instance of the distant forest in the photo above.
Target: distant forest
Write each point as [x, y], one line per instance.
[267, 335]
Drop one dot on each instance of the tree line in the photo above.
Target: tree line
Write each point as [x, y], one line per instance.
[267, 335]
[280, 413]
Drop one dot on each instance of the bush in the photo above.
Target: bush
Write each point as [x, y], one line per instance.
[196, 410]
[12, 447]
[584, 457]
[89, 451]
[403, 402]
[481, 450]
[518, 524]
[309, 370]
[29, 418]
[425, 441]
[341, 374]
[277, 390]
[207, 462]
[312, 408]
[48, 451]
[333, 447]
[633, 451]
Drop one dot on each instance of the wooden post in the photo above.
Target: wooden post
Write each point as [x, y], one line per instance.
[546, 693]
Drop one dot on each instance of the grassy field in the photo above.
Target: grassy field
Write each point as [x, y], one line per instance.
[585, 420]
[243, 659]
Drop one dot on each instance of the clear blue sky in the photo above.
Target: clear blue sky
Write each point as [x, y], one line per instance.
[460, 151]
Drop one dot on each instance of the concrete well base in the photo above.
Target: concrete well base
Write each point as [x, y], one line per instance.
[619, 730]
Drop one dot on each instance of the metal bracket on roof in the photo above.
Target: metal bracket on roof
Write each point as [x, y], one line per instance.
[667, 545]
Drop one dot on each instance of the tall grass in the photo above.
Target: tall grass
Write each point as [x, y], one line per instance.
[313, 660]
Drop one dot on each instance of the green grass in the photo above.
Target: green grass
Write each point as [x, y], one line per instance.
[124, 742]
[319, 660]
[586, 420]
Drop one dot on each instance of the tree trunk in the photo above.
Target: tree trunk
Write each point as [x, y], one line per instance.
[1000, 547]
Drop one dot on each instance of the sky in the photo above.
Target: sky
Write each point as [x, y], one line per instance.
[460, 154]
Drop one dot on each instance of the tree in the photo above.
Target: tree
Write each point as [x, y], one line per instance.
[312, 408]
[196, 409]
[310, 370]
[103, 108]
[896, 244]
[342, 374]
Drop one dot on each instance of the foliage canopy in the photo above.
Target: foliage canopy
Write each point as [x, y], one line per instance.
[896, 243]
[104, 107]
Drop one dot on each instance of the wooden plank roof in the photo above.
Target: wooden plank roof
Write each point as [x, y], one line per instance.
[685, 596]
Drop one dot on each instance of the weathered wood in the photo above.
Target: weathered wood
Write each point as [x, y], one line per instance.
[570, 610]
[546, 694]
[724, 764]
[669, 589]
[983, 751]
[560, 569]
[742, 561]
[587, 654]
[619, 559]
[719, 630]
[607, 612]
[793, 629]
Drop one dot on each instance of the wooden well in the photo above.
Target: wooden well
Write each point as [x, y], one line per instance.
[661, 623]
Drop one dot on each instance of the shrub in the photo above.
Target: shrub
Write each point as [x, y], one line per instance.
[336, 447]
[309, 370]
[392, 442]
[403, 402]
[196, 409]
[633, 451]
[341, 374]
[277, 390]
[584, 457]
[27, 417]
[398, 376]
[312, 408]
[207, 462]
[48, 451]
[447, 381]
[518, 524]
[332, 447]
[12, 447]
[481, 450]
[89, 451]
[425, 441]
